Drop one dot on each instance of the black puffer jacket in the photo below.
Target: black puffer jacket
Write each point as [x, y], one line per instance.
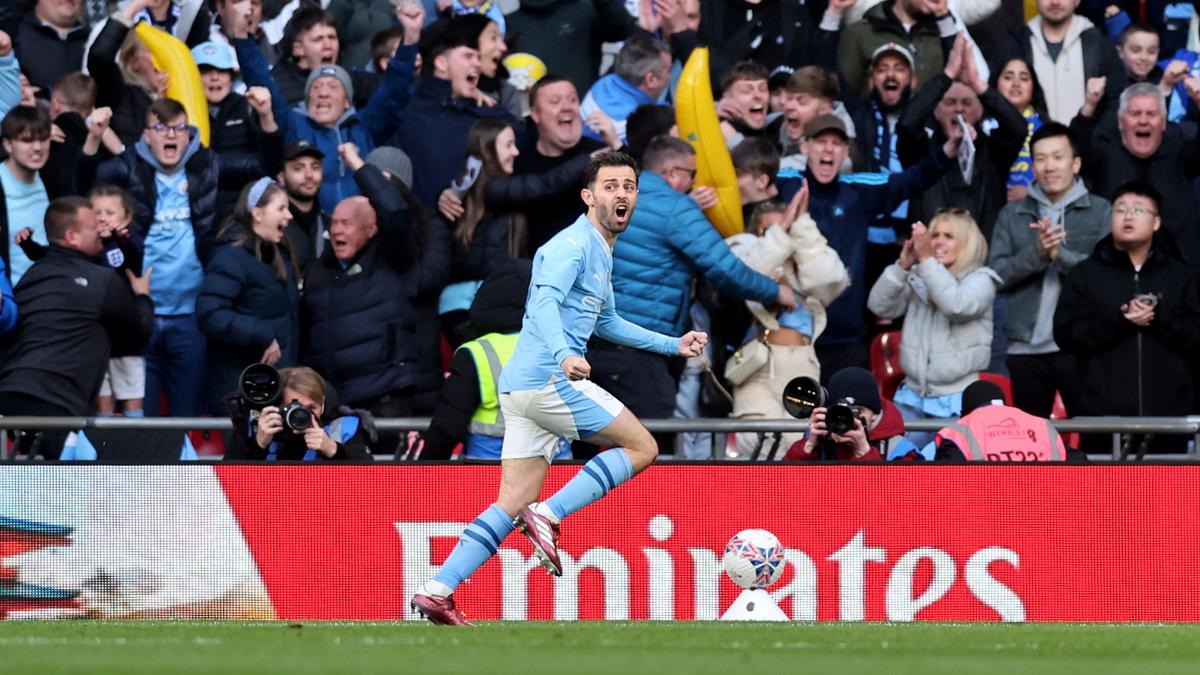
[72, 310]
[245, 151]
[242, 308]
[135, 171]
[1125, 369]
[359, 324]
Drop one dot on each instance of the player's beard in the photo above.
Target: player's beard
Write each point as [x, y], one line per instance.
[607, 217]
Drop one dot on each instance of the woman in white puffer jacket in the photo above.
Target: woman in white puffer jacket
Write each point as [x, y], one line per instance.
[792, 252]
[944, 292]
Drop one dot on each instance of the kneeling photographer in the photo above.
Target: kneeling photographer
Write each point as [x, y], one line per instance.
[850, 422]
[278, 416]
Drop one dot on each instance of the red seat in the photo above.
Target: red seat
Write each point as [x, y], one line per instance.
[885, 362]
[1059, 412]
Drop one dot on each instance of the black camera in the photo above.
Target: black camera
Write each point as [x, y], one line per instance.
[260, 385]
[804, 394]
[296, 416]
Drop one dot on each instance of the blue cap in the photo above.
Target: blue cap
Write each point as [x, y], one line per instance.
[214, 55]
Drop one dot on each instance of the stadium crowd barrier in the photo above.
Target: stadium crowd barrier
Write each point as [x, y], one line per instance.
[1001, 542]
[1115, 426]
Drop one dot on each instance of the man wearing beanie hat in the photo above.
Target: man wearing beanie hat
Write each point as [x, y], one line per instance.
[328, 118]
[445, 105]
[992, 431]
[878, 427]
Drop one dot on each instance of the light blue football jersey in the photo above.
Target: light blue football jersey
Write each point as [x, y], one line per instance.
[569, 300]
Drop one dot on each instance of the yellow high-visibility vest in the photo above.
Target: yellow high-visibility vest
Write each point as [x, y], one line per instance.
[490, 352]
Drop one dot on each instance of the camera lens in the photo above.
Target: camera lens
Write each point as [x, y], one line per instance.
[801, 396]
[296, 417]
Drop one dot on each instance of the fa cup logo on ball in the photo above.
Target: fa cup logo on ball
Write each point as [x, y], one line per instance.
[754, 559]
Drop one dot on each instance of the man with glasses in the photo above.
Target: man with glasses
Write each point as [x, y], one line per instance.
[668, 243]
[1131, 314]
[173, 181]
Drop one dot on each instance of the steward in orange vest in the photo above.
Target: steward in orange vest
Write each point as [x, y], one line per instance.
[991, 431]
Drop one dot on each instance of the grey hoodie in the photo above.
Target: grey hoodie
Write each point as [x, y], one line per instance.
[1031, 280]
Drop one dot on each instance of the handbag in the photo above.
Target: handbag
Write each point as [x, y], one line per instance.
[755, 354]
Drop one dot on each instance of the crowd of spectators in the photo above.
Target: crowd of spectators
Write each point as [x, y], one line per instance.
[1017, 197]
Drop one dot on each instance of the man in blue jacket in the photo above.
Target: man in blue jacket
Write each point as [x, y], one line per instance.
[444, 106]
[328, 117]
[668, 243]
[844, 208]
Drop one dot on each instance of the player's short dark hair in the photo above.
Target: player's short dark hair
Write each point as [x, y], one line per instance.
[26, 123]
[1054, 130]
[1135, 27]
[547, 80]
[60, 216]
[756, 156]
[1139, 188]
[164, 110]
[608, 158]
[744, 70]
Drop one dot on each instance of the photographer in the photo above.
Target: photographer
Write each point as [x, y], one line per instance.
[878, 430]
[292, 430]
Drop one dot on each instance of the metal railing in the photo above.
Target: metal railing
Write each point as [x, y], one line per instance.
[1116, 426]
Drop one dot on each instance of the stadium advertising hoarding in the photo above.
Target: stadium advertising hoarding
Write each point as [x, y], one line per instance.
[961, 543]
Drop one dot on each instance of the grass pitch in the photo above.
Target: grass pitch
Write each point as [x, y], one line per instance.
[620, 648]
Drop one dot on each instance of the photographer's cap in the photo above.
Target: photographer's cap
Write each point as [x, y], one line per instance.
[855, 386]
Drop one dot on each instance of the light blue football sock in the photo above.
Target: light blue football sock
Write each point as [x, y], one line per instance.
[603, 473]
[477, 544]
[134, 413]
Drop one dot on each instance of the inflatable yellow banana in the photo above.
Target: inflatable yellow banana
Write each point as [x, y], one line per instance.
[696, 116]
[172, 57]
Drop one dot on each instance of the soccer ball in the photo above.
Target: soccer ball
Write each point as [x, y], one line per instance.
[753, 559]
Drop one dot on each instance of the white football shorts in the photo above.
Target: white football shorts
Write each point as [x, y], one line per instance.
[536, 420]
